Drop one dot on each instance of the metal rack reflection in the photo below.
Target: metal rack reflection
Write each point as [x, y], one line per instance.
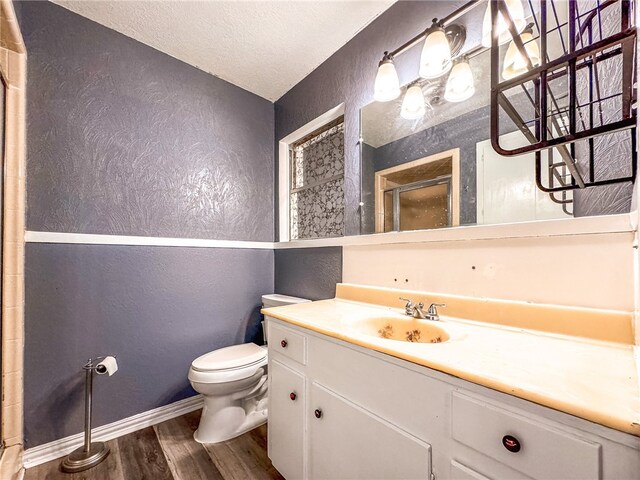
[572, 98]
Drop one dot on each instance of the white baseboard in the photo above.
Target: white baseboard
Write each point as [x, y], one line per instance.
[59, 448]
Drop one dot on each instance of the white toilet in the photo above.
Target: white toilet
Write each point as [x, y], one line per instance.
[233, 381]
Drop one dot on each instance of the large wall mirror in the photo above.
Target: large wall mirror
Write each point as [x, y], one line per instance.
[426, 156]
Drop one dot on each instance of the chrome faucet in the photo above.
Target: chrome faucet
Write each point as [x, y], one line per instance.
[413, 310]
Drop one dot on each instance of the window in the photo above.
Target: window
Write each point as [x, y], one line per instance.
[316, 183]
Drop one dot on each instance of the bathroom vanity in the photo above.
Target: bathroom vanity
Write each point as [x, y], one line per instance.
[343, 405]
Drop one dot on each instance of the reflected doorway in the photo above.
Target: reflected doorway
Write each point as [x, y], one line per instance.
[422, 194]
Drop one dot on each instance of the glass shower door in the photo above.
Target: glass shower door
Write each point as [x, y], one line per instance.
[418, 206]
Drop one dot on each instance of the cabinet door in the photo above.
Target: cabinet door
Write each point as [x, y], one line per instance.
[347, 442]
[286, 420]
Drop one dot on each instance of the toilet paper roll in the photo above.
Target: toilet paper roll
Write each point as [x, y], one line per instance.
[108, 365]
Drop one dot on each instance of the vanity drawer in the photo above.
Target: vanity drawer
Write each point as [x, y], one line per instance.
[288, 343]
[528, 445]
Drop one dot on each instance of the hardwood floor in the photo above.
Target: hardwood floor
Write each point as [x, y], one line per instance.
[168, 451]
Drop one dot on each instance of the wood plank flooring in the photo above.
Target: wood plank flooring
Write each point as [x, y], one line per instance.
[167, 451]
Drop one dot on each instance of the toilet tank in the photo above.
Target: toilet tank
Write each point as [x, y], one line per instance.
[277, 300]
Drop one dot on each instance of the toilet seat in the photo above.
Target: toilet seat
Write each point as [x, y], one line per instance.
[227, 364]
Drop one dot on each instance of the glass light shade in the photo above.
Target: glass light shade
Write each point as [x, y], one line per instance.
[413, 106]
[460, 85]
[436, 55]
[516, 11]
[514, 63]
[387, 85]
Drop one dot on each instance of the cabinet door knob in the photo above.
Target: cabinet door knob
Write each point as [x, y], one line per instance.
[511, 443]
[293, 396]
[283, 343]
[318, 413]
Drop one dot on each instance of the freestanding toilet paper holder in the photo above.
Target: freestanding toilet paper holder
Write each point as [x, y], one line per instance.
[90, 454]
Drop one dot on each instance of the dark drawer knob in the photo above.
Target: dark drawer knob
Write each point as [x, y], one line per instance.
[283, 344]
[293, 396]
[318, 413]
[511, 443]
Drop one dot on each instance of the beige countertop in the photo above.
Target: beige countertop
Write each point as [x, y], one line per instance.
[593, 379]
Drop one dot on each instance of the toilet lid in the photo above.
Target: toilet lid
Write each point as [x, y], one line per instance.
[235, 356]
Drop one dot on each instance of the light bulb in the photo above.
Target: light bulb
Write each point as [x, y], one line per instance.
[460, 85]
[413, 106]
[514, 63]
[435, 60]
[516, 11]
[387, 85]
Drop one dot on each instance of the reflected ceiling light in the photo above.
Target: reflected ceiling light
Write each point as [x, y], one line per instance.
[460, 85]
[516, 11]
[514, 63]
[387, 85]
[435, 60]
[413, 106]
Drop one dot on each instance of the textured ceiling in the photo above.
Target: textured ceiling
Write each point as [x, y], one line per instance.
[265, 47]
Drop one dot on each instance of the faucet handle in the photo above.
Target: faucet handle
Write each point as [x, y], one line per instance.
[432, 312]
[408, 308]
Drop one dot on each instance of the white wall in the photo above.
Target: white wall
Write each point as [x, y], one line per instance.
[591, 270]
[506, 189]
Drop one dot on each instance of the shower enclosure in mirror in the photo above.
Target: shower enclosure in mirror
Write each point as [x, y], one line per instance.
[426, 150]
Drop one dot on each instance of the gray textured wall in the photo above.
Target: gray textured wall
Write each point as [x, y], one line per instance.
[124, 139]
[308, 272]
[156, 308]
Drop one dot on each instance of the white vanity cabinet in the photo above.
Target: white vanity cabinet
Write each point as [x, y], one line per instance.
[360, 414]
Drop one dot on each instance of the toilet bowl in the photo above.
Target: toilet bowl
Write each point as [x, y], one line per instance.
[233, 382]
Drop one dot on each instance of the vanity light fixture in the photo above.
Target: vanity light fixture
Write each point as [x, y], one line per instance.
[514, 63]
[435, 60]
[442, 43]
[413, 105]
[460, 84]
[516, 11]
[387, 85]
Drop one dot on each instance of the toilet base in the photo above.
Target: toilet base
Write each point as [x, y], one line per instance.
[253, 420]
[224, 418]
